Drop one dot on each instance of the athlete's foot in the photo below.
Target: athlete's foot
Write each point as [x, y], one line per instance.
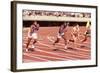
[55, 49]
[33, 46]
[53, 44]
[30, 49]
[66, 47]
[26, 50]
[68, 41]
[83, 40]
[71, 40]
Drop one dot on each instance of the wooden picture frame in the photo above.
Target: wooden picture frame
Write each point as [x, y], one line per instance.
[50, 16]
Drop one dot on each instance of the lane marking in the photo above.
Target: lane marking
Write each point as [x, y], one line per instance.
[53, 47]
[63, 44]
[52, 53]
[75, 53]
[49, 38]
[45, 45]
[70, 52]
[27, 60]
[44, 56]
[36, 57]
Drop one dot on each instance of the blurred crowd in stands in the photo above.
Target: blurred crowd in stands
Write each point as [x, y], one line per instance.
[55, 13]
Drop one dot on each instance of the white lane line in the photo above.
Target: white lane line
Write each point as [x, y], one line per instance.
[49, 47]
[77, 49]
[51, 57]
[75, 53]
[88, 46]
[51, 38]
[63, 44]
[67, 52]
[55, 54]
[44, 56]
[48, 37]
[59, 48]
[27, 60]
[45, 45]
[72, 54]
[36, 57]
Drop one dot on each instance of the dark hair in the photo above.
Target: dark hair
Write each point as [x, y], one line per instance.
[66, 23]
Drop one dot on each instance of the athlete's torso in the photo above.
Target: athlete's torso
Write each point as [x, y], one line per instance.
[33, 28]
[75, 30]
[62, 28]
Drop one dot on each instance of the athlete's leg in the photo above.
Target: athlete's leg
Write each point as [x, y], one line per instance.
[29, 40]
[58, 39]
[35, 37]
[72, 40]
[35, 40]
[65, 41]
[75, 37]
[85, 38]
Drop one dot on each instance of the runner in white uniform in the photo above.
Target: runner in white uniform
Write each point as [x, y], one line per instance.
[32, 34]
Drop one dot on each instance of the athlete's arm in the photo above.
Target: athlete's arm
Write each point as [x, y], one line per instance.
[38, 26]
[61, 29]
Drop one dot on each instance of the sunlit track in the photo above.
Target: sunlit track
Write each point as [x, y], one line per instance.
[74, 53]
[62, 47]
[45, 45]
[35, 56]
[67, 57]
[28, 61]
[50, 58]
[50, 46]
[44, 50]
[73, 56]
[84, 44]
[29, 57]
[70, 52]
[71, 47]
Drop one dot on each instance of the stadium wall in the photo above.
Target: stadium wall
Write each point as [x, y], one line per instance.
[55, 18]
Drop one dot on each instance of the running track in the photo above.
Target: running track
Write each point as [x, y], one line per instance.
[44, 49]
